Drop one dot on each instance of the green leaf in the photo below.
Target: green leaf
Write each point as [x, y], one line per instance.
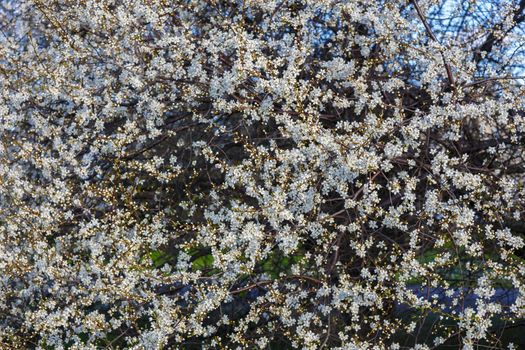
[203, 262]
[276, 263]
[428, 256]
[159, 258]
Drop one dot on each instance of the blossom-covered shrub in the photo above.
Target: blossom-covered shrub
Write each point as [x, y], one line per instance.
[261, 174]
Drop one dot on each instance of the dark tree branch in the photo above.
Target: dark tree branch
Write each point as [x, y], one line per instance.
[492, 39]
[421, 16]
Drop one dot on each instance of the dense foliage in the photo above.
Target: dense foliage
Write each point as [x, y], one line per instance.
[261, 174]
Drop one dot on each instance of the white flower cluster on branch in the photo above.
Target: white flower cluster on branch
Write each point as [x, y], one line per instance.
[254, 174]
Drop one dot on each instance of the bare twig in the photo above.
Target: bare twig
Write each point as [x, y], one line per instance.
[450, 76]
[486, 80]
[265, 282]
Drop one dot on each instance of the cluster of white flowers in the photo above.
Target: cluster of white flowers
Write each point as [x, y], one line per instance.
[261, 174]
